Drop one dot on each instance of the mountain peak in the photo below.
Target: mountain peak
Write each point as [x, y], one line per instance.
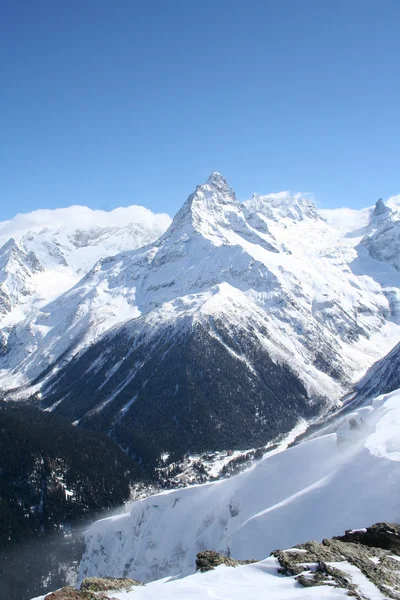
[217, 180]
[12, 244]
[207, 208]
[14, 255]
[380, 209]
[12, 252]
[215, 191]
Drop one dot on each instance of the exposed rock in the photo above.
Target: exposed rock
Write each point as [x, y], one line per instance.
[327, 575]
[70, 593]
[381, 209]
[209, 559]
[102, 584]
[370, 550]
[380, 535]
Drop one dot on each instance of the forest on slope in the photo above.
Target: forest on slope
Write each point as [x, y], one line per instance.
[54, 478]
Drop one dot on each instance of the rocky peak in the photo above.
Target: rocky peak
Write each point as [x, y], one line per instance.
[380, 209]
[17, 267]
[217, 180]
[283, 205]
[215, 192]
[214, 213]
[12, 246]
[14, 257]
[382, 239]
[207, 211]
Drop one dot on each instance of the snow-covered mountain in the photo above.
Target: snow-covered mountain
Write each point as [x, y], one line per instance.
[239, 320]
[383, 377]
[44, 253]
[313, 490]
[19, 273]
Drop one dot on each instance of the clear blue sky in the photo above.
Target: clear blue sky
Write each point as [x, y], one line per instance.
[108, 103]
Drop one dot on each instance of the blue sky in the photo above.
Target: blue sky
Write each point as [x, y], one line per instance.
[136, 101]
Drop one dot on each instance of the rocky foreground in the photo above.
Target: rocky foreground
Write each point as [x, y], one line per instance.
[363, 563]
[374, 551]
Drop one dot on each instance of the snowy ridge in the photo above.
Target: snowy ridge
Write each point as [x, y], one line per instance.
[239, 320]
[18, 268]
[283, 206]
[349, 480]
[326, 301]
[250, 581]
[48, 251]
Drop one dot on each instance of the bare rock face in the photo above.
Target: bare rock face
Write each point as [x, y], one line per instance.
[92, 588]
[380, 535]
[102, 584]
[209, 559]
[70, 593]
[372, 550]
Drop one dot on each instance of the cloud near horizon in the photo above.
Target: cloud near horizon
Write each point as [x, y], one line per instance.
[80, 217]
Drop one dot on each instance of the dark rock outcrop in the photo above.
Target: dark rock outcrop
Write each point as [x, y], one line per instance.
[380, 535]
[372, 550]
[70, 593]
[92, 588]
[209, 559]
[103, 584]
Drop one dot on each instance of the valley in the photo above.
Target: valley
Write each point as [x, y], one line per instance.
[239, 320]
[232, 356]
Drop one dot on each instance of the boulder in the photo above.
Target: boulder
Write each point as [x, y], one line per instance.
[379, 535]
[70, 593]
[372, 550]
[103, 584]
[209, 559]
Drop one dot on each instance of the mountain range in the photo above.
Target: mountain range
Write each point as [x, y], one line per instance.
[217, 330]
[44, 253]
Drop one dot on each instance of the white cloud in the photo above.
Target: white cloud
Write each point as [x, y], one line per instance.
[81, 217]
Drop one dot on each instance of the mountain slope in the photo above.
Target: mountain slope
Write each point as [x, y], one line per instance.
[49, 251]
[383, 377]
[313, 490]
[214, 384]
[362, 563]
[226, 583]
[19, 271]
[53, 478]
[49, 475]
[239, 320]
